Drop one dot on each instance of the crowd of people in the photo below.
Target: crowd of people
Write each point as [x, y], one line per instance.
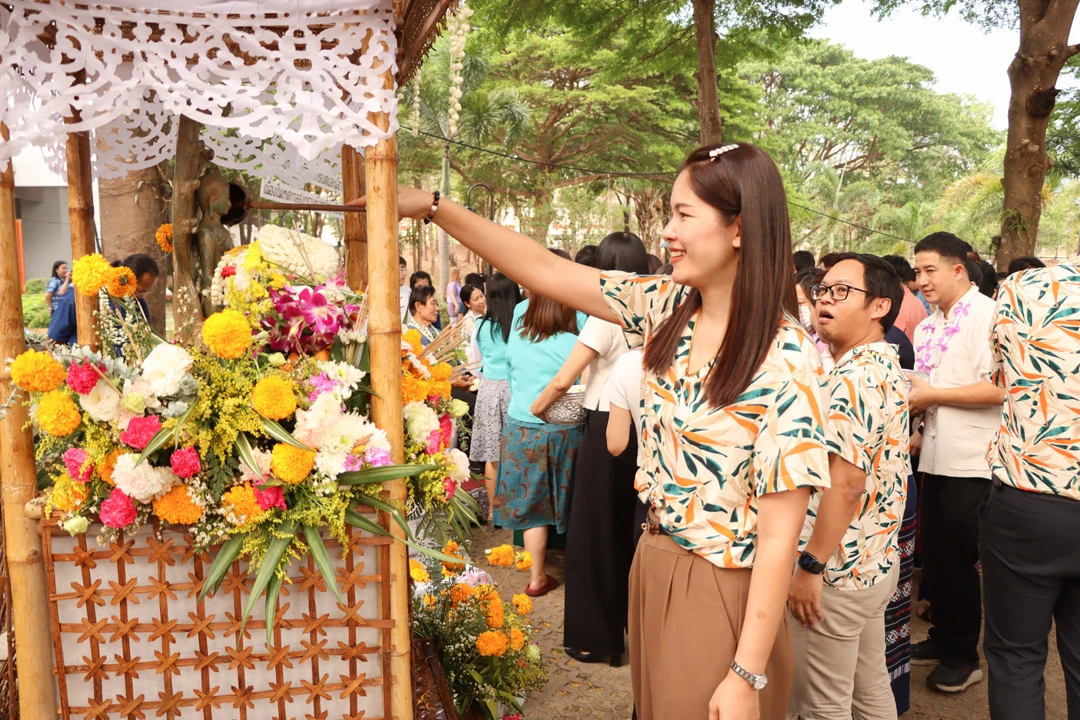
[789, 426]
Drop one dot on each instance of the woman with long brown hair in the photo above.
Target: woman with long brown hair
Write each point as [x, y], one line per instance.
[731, 430]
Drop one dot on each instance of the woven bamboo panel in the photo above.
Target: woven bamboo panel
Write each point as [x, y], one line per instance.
[131, 642]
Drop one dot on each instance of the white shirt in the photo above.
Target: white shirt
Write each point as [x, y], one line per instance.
[955, 439]
[608, 341]
[403, 299]
[623, 387]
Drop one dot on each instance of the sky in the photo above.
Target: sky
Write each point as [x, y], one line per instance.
[965, 58]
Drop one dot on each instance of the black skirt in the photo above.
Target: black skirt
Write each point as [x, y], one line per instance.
[600, 543]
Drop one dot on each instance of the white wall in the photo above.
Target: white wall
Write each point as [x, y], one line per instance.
[45, 228]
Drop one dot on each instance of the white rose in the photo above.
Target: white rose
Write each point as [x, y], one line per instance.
[420, 421]
[144, 482]
[164, 367]
[102, 403]
[460, 471]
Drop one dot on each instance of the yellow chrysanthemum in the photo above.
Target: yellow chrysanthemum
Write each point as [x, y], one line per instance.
[501, 556]
[227, 334]
[441, 373]
[178, 507]
[429, 601]
[418, 572]
[274, 397]
[35, 371]
[522, 604]
[240, 505]
[291, 464]
[164, 237]
[492, 643]
[105, 469]
[90, 273]
[517, 639]
[122, 283]
[523, 560]
[58, 414]
[68, 495]
[451, 549]
[459, 593]
[413, 338]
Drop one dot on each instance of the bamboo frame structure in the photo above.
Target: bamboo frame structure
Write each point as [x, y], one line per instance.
[352, 187]
[81, 218]
[18, 483]
[384, 344]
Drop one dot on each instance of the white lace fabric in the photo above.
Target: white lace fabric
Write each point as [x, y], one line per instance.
[279, 84]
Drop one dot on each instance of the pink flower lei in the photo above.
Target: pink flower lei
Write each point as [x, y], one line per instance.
[929, 353]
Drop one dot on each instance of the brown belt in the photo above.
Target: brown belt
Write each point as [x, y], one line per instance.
[653, 528]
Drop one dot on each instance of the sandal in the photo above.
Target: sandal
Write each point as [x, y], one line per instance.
[549, 585]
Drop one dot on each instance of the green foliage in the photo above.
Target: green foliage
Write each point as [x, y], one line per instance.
[35, 311]
[35, 285]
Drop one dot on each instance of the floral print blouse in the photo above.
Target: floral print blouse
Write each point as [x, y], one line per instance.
[1036, 356]
[868, 426]
[704, 468]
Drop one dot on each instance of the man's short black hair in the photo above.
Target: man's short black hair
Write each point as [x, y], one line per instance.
[803, 259]
[401, 261]
[881, 282]
[947, 245]
[1027, 262]
[901, 267]
[419, 275]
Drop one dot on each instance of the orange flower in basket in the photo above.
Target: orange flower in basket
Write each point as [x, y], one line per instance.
[492, 643]
[522, 604]
[459, 593]
[451, 549]
[517, 639]
[177, 507]
[122, 282]
[501, 556]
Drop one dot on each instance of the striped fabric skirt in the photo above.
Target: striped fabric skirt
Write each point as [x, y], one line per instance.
[898, 612]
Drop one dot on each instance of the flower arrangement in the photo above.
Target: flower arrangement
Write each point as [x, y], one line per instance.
[484, 642]
[164, 236]
[228, 438]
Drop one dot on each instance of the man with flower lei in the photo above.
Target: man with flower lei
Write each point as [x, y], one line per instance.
[232, 439]
[962, 415]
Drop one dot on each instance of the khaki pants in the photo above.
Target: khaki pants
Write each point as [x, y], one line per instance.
[840, 669]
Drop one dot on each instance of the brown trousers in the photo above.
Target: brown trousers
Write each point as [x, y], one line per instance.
[686, 615]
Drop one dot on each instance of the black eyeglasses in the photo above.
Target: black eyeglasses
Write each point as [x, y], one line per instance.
[839, 291]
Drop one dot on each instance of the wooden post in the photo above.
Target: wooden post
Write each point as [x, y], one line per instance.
[384, 343]
[18, 483]
[191, 155]
[356, 242]
[80, 192]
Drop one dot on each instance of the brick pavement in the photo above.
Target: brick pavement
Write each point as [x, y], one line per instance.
[576, 690]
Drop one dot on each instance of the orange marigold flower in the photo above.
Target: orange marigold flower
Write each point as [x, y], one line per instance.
[35, 371]
[227, 334]
[68, 495]
[501, 556]
[441, 372]
[122, 282]
[274, 397]
[240, 505]
[523, 560]
[459, 593]
[517, 639]
[418, 572]
[164, 237]
[413, 338]
[492, 643]
[290, 463]
[58, 414]
[178, 507]
[522, 604]
[494, 613]
[451, 549]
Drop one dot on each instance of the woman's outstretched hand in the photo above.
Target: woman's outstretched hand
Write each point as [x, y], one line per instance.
[412, 202]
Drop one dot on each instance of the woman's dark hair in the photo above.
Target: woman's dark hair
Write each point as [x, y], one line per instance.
[655, 264]
[880, 281]
[804, 260]
[466, 293]
[476, 280]
[140, 264]
[988, 282]
[1016, 265]
[419, 275]
[56, 266]
[419, 295]
[586, 255]
[828, 260]
[807, 279]
[546, 317]
[743, 182]
[623, 252]
[503, 295]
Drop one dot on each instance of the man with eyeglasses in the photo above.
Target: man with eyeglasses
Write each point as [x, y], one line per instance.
[962, 415]
[849, 565]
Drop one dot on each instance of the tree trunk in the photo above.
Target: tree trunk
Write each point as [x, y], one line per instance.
[132, 208]
[712, 126]
[1044, 49]
[191, 155]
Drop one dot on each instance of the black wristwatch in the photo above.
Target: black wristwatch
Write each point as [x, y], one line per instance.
[810, 564]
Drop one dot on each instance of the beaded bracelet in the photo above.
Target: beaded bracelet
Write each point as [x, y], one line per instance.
[434, 207]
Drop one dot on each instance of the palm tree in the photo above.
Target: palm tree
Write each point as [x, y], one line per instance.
[483, 113]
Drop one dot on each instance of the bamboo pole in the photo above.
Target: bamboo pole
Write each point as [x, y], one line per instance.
[384, 342]
[18, 483]
[352, 182]
[80, 193]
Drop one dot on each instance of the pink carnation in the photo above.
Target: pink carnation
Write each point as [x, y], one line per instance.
[117, 510]
[185, 462]
[76, 460]
[377, 457]
[449, 486]
[82, 377]
[433, 442]
[141, 431]
[446, 429]
[270, 497]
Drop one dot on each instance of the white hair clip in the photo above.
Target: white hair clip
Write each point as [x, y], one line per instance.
[717, 152]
